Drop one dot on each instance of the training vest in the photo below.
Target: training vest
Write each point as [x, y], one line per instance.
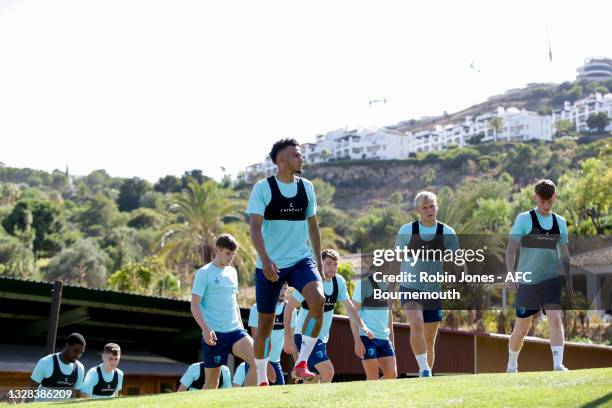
[199, 383]
[416, 242]
[538, 237]
[279, 323]
[60, 380]
[330, 300]
[286, 208]
[104, 388]
[369, 301]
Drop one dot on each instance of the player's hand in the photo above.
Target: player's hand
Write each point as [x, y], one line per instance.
[368, 332]
[289, 345]
[270, 270]
[210, 337]
[359, 349]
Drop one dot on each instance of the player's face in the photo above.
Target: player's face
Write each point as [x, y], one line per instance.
[428, 210]
[283, 293]
[74, 352]
[330, 268]
[545, 205]
[224, 256]
[111, 360]
[292, 157]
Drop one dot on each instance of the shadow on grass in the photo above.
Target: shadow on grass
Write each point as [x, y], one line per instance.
[599, 402]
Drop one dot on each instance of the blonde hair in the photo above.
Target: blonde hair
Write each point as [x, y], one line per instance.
[425, 196]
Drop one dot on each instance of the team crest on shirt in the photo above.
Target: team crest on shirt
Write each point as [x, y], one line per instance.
[320, 354]
[370, 352]
[217, 359]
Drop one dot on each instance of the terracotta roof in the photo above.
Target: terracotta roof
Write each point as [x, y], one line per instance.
[598, 257]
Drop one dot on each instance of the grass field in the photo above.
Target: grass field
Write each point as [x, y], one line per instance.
[581, 388]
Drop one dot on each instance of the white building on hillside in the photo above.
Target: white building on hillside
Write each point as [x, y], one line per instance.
[517, 125]
[579, 112]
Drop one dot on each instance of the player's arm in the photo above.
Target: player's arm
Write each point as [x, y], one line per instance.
[566, 270]
[239, 317]
[359, 348]
[391, 332]
[270, 269]
[315, 240]
[511, 251]
[354, 317]
[181, 388]
[289, 345]
[209, 336]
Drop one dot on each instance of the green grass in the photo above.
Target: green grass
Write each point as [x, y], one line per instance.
[581, 388]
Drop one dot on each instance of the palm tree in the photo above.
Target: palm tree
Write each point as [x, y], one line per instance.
[205, 212]
[496, 123]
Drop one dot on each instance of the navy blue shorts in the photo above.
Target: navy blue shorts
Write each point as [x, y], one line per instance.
[530, 299]
[296, 276]
[376, 348]
[278, 369]
[216, 356]
[318, 355]
[432, 308]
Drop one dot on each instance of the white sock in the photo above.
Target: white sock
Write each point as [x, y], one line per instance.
[261, 367]
[557, 354]
[513, 359]
[308, 344]
[422, 361]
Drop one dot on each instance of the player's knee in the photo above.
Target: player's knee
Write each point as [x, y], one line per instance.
[391, 374]
[316, 303]
[417, 326]
[521, 330]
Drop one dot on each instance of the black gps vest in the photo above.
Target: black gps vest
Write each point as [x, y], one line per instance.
[369, 301]
[330, 300]
[105, 388]
[278, 320]
[286, 208]
[538, 237]
[199, 383]
[416, 242]
[60, 380]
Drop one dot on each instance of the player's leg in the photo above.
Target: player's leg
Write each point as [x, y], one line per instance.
[305, 278]
[417, 336]
[278, 369]
[551, 299]
[326, 371]
[370, 366]
[243, 348]
[555, 323]
[211, 381]
[515, 343]
[388, 366]
[432, 319]
[266, 293]
[431, 332]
